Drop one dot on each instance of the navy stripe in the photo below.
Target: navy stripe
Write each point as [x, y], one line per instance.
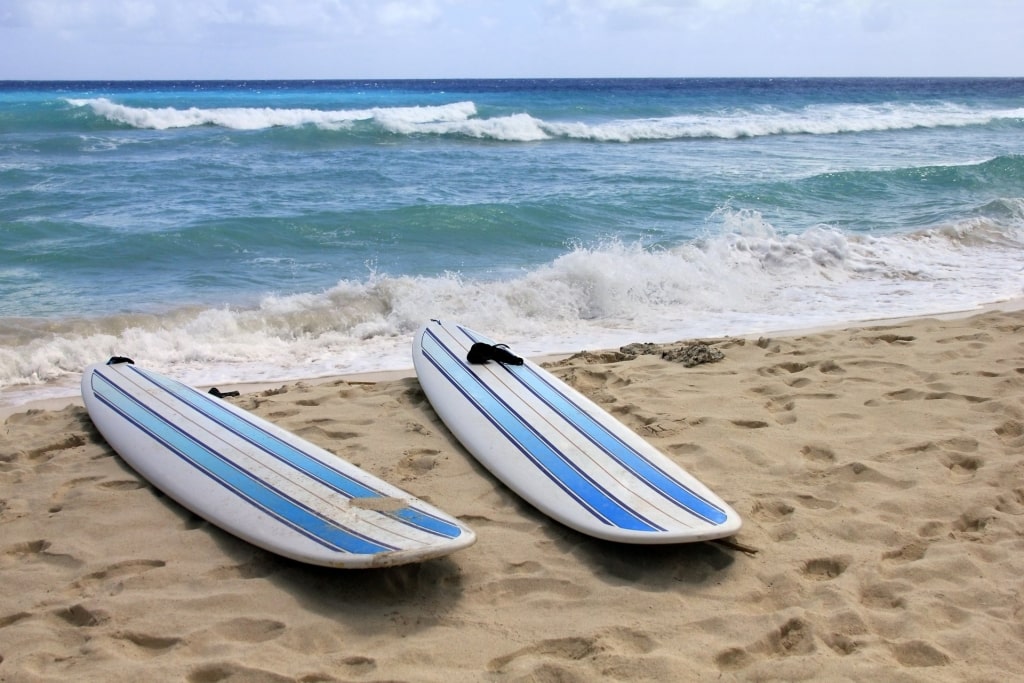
[552, 462]
[671, 489]
[205, 459]
[624, 454]
[290, 455]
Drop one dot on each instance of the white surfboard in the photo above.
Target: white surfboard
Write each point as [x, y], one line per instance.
[258, 481]
[560, 451]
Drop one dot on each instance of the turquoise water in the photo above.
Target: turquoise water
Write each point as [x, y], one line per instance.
[227, 231]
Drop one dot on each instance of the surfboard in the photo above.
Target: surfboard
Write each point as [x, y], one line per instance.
[559, 450]
[258, 481]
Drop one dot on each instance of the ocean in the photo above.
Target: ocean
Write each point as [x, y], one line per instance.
[273, 230]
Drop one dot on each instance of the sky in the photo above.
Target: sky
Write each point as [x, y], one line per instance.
[320, 39]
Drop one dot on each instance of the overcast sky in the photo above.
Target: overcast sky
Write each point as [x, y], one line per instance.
[249, 39]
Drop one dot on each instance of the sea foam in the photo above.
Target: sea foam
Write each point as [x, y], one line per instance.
[742, 277]
[462, 119]
[258, 118]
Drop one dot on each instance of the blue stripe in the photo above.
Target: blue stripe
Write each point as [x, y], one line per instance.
[553, 463]
[622, 453]
[295, 458]
[209, 462]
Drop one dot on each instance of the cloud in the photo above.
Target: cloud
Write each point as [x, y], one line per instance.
[270, 14]
[479, 38]
[406, 13]
[629, 14]
[87, 14]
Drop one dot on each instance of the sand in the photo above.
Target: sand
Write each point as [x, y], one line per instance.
[879, 471]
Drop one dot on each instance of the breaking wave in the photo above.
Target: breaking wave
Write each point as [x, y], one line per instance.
[744, 277]
[464, 119]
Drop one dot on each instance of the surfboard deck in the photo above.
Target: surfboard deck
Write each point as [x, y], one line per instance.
[258, 481]
[560, 451]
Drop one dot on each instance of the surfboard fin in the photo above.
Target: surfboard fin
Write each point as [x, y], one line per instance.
[481, 353]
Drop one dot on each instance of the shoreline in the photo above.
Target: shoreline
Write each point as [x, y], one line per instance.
[374, 376]
[878, 470]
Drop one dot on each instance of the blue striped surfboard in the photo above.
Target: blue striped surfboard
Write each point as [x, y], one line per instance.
[258, 481]
[560, 451]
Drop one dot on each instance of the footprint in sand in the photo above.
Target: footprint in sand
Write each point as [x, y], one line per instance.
[123, 485]
[841, 644]
[788, 368]
[523, 580]
[830, 367]
[67, 443]
[566, 658]
[1011, 433]
[917, 653]
[117, 572]
[977, 340]
[418, 462]
[779, 514]
[36, 550]
[278, 415]
[843, 627]
[230, 671]
[11, 619]
[248, 630]
[825, 568]
[859, 473]
[885, 596]
[359, 664]
[780, 404]
[750, 424]
[908, 553]
[974, 521]
[898, 339]
[418, 428]
[80, 616]
[794, 637]
[571, 649]
[784, 409]
[733, 659]
[916, 395]
[961, 465]
[148, 645]
[932, 529]
[57, 499]
[687, 448]
[520, 588]
[818, 453]
[813, 503]
[261, 565]
[1011, 503]
[318, 433]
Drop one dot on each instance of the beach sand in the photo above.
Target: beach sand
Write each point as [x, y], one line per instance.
[879, 471]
